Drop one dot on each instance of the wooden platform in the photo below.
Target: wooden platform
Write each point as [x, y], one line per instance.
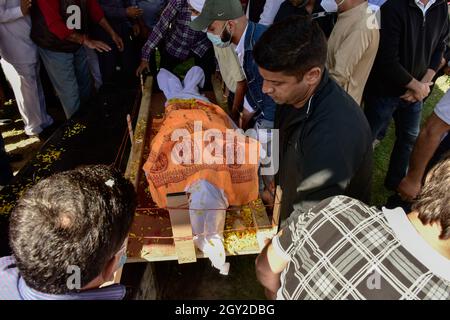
[152, 238]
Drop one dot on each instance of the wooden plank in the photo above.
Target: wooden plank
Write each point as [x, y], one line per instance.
[181, 227]
[140, 137]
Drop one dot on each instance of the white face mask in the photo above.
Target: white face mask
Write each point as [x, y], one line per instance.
[330, 5]
[193, 18]
[217, 39]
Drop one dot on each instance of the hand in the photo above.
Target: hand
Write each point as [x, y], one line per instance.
[134, 12]
[136, 30]
[409, 189]
[97, 45]
[409, 96]
[418, 90]
[25, 6]
[143, 66]
[118, 41]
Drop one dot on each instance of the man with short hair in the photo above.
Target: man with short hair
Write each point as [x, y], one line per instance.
[325, 145]
[67, 234]
[227, 24]
[343, 249]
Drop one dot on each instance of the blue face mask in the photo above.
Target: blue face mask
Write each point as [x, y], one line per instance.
[217, 39]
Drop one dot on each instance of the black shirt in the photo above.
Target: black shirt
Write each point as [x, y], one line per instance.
[325, 149]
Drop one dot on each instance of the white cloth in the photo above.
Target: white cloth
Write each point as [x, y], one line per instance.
[270, 11]
[189, 89]
[197, 4]
[240, 48]
[442, 109]
[423, 7]
[94, 67]
[27, 87]
[207, 209]
[416, 245]
[15, 43]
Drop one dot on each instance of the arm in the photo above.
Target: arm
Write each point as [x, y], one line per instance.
[241, 90]
[11, 14]
[348, 56]
[270, 11]
[168, 15]
[114, 36]
[269, 265]
[388, 52]
[426, 145]
[440, 49]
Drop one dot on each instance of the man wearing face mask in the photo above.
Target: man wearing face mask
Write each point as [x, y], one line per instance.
[325, 142]
[226, 23]
[352, 47]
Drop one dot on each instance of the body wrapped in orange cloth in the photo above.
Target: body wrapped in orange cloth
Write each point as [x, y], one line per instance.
[197, 141]
[199, 150]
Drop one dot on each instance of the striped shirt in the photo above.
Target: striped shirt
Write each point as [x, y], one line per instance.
[180, 39]
[13, 287]
[343, 249]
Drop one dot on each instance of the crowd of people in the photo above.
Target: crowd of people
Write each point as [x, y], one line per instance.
[329, 75]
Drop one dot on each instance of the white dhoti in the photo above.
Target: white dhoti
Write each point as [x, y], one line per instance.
[26, 84]
[173, 88]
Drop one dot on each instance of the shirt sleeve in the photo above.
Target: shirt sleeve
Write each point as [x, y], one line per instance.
[390, 42]
[51, 11]
[440, 49]
[270, 11]
[442, 109]
[95, 11]
[161, 28]
[9, 14]
[349, 55]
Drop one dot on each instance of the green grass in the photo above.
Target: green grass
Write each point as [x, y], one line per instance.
[383, 152]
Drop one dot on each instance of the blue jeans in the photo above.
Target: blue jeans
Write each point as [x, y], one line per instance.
[379, 111]
[5, 170]
[70, 76]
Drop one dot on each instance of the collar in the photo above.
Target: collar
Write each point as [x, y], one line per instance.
[113, 292]
[240, 48]
[423, 7]
[360, 9]
[432, 3]
[415, 244]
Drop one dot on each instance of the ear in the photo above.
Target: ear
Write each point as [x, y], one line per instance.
[313, 76]
[231, 24]
[109, 269]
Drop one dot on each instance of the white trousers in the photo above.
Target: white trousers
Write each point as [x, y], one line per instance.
[189, 89]
[26, 84]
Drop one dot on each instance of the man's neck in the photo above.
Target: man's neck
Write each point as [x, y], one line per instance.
[239, 33]
[430, 233]
[301, 103]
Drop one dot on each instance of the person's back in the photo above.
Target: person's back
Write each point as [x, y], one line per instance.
[368, 254]
[344, 249]
[67, 234]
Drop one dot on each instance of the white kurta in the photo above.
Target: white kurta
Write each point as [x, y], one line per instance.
[21, 66]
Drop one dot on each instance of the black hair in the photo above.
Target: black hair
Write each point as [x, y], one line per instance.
[76, 218]
[292, 46]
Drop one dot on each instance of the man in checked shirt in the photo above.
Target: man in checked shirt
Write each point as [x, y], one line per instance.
[177, 42]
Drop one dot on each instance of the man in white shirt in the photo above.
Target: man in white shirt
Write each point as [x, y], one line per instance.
[21, 65]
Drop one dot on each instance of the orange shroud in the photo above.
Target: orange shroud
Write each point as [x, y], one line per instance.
[206, 147]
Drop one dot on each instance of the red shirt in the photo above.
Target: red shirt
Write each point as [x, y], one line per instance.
[51, 11]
